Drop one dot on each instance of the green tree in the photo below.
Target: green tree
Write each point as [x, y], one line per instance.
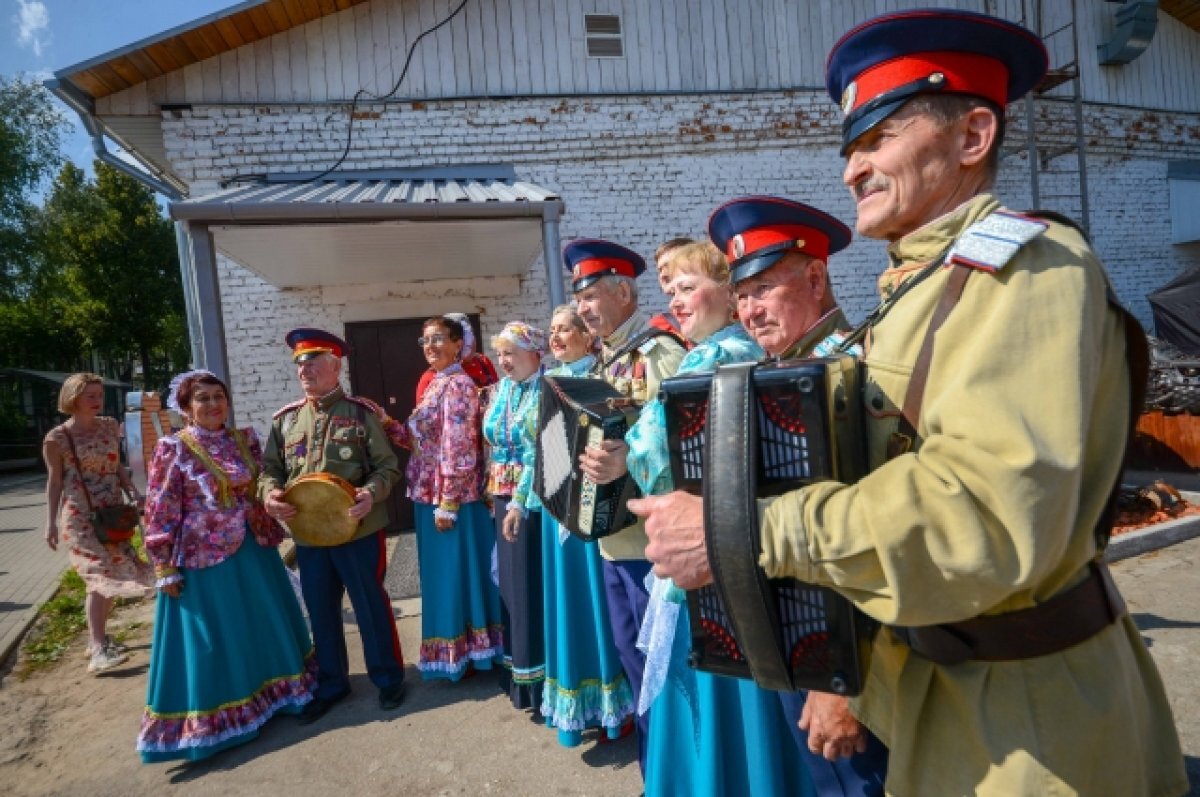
[31, 323]
[31, 131]
[111, 256]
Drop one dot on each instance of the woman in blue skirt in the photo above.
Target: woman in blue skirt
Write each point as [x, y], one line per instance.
[585, 684]
[231, 647]
[461, 629]
[709, 735]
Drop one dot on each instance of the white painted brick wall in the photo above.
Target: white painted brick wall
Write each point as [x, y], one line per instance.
[637, 170]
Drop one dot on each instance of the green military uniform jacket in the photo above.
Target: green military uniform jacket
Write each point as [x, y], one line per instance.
[333, 434]
[637, 375]
[828, 324]
[1021, 434]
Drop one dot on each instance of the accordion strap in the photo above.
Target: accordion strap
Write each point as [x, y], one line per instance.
[731, 524]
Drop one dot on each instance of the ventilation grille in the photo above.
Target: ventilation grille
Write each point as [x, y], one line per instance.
[603, 36]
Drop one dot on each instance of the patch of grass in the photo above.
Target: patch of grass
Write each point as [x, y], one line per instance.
[59, 621]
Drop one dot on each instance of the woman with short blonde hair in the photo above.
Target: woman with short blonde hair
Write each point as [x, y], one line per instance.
[700, 258]
[73, 388]
[85, 473]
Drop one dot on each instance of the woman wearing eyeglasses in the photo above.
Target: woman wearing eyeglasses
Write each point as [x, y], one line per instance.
[460, 607]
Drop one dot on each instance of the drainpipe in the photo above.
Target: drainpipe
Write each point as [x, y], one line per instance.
[83, 105]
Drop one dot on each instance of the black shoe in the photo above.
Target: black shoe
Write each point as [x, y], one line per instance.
[317, 708]
[390, 697]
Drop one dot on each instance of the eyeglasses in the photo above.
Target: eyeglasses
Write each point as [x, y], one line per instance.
[431, 340]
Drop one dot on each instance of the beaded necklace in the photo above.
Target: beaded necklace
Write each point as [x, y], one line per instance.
[515, 410]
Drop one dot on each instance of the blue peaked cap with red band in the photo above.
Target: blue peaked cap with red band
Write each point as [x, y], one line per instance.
[307, 342]
[886, 61]
[589, 259]
[755, 232]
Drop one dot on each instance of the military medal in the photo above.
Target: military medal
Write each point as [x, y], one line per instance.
[345, 452]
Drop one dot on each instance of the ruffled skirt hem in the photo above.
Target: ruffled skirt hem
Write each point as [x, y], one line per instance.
[199, 734]
[591, 704]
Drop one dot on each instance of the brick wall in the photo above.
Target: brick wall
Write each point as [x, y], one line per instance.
[637, 170]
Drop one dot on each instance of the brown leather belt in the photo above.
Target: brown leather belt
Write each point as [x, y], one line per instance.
[1064, 621]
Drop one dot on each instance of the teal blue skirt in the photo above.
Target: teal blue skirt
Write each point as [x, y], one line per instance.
[229, 653]
[460, 606]
[585, 684]
[712, 736]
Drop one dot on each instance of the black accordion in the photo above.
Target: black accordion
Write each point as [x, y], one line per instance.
[762, 430]
[575, 413]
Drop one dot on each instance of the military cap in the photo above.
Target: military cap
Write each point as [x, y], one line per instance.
[886, 61]
[589, 259]
[755, 232]
[306, 343]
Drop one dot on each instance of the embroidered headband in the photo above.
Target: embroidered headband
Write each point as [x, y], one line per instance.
[177, 384]
[524, 336]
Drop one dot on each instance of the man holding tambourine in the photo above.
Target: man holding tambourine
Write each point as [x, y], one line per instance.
[327, 471]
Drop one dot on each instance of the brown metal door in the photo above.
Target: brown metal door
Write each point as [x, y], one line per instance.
[385, 365]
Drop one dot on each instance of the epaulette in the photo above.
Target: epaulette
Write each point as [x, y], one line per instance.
[286, 408]
[991, 242]
[368, 405]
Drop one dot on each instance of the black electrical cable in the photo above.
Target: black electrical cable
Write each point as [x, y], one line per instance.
[358, 95]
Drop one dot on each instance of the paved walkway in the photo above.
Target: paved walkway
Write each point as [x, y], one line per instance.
[29, 571]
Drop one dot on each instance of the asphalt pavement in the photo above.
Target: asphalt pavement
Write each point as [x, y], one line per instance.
[29, 570]
[501, 754]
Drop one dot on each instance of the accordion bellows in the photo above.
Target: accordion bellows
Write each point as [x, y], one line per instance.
[752, 431]
[577, 412]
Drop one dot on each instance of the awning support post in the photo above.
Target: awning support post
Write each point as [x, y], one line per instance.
[208, 345]
[551, 248]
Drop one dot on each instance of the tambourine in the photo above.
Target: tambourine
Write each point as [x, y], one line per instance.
[321, 501]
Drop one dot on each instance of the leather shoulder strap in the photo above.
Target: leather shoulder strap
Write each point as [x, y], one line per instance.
[731, 515]
[911, 411]
[78, 468]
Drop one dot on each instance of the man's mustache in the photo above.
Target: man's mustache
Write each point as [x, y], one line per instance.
[868, 185]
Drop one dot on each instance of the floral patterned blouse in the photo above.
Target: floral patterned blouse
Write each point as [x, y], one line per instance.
[446, 466]
[648, 460]
[186, 523]
[511, 403]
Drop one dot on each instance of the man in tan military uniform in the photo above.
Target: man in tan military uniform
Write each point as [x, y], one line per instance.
[636, 357]
[1008, 664]
[778, 252]
[330, 432]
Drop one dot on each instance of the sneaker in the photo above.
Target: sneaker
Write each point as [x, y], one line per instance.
[110, 644]
[105, 660]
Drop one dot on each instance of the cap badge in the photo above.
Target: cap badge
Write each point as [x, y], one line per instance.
[739, 246]
[799, 243]
[936, 78]
[849, 96]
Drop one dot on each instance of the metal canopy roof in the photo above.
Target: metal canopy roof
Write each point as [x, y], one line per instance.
[379, 227]
[393, 195]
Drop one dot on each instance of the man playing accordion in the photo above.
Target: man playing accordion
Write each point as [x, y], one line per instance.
[778, 251]
[998, 391]
[635, 358]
